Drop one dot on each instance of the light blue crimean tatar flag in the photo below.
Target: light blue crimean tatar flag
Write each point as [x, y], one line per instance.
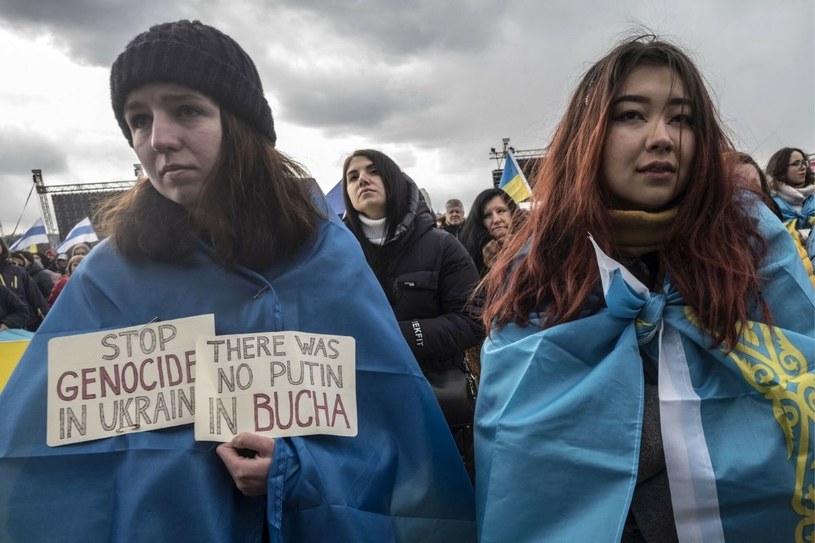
[513, 181]
[82, 232]
[559, 415]
[33, 236]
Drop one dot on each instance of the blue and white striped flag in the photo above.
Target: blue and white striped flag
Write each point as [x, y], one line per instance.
[34, 235]
[83, 232]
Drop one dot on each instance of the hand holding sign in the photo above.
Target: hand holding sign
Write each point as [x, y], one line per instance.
[250, 473]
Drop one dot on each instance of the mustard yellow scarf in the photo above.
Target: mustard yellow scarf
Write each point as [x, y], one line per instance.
[640, 232]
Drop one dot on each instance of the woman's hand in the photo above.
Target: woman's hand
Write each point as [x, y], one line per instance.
[248, 458]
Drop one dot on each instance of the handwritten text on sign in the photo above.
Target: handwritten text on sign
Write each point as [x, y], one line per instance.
[135, 379]
[275, 384]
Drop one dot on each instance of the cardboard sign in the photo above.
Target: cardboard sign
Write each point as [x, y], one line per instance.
[114, 382]
[275, 384]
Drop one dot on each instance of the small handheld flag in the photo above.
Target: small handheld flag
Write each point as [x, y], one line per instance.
[33, 236]
[513, 181]
[82, 232]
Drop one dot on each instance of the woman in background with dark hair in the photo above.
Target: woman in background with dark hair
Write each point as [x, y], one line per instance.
[492, 216]
[793, 184]
[424, 271]
[648, 371]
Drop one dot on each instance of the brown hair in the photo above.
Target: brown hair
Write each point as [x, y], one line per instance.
[780, 161]
[711, 253]
[254, 209]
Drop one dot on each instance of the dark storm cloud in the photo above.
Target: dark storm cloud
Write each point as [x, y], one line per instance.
[427, 73]
[352, 100]
[91, 31]
[410, 27]
[22, 151]
[457, 76]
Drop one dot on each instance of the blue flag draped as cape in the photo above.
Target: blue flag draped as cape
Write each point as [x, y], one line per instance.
[805, 218]
[559, 416]
[400, 479]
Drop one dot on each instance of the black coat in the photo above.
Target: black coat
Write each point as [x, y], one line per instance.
[17, 280]
[13, 312]
[43, 279]
[428, 276]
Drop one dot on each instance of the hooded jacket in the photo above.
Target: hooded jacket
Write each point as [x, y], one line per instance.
[427, 276]
[13, 312]
[42, 277]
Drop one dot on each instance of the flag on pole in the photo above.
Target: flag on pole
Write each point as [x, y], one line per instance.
[34, 235]
[513, 181]
[82, 232]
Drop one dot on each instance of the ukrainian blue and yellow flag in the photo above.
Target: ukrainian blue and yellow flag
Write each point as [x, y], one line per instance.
[513, 181]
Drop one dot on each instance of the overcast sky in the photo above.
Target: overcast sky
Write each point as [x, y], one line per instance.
[433, 83]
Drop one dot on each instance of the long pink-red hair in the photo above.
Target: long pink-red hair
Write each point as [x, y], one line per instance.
[711, 253]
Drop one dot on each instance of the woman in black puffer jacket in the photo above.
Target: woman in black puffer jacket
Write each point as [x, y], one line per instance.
[425, 272]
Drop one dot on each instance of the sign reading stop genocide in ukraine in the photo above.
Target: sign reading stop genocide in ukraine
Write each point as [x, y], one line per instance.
[126, 380]
[275, 384]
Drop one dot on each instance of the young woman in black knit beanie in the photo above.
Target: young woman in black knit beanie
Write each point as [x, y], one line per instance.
[223, 224]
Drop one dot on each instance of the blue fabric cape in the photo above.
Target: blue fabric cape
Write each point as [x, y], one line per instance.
[400, 479]
[559, 416]
[805, 218]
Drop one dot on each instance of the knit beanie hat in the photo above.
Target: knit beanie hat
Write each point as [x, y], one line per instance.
[197, 56]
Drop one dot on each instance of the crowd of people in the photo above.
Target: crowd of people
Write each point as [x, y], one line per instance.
[36, 279]
[626, 357]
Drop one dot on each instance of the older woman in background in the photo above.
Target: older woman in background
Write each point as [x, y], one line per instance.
[491, 218]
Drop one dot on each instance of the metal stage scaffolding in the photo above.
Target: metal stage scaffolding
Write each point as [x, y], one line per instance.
[65, 205]
[528, 160]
